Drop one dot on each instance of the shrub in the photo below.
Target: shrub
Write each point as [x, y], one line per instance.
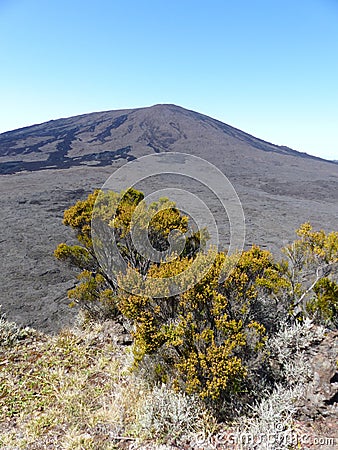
[269, 426]
[202, 341]
[323, 308]
[174, 417]
[114, 215]
[94, 295]
[11, 333]
[209, 339]
[310, 275]
[274, 412]
[287, 350]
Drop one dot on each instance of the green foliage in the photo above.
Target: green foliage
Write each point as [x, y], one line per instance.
[324, 305]
[94, 295]
[317, 245]
[79, 218]
[252, 289]
[76, 255]
[209, 340]
[311, 275]
[203, 349]
[119, 214]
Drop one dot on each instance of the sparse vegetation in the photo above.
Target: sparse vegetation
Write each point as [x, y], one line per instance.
[74, 391]
[11, 333]
[216, 355]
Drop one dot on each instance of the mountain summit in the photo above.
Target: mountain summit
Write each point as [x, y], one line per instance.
[100, 138]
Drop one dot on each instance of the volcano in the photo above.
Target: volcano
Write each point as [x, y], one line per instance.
[46, 168]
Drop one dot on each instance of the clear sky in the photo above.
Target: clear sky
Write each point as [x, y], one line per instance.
[268, 67]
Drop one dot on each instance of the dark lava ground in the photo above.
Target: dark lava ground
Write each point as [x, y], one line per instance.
[48, 167]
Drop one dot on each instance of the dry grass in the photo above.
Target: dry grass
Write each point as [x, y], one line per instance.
[75, 391]
[65, 391]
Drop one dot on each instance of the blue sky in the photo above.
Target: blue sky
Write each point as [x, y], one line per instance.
[268, 67]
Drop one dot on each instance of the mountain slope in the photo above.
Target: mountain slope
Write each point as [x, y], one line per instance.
[99, 138]
[45, 168]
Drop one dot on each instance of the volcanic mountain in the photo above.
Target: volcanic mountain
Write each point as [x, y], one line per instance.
[45, 168]
[100, 138]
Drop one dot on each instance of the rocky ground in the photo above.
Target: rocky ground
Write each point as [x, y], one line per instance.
[278, 188]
